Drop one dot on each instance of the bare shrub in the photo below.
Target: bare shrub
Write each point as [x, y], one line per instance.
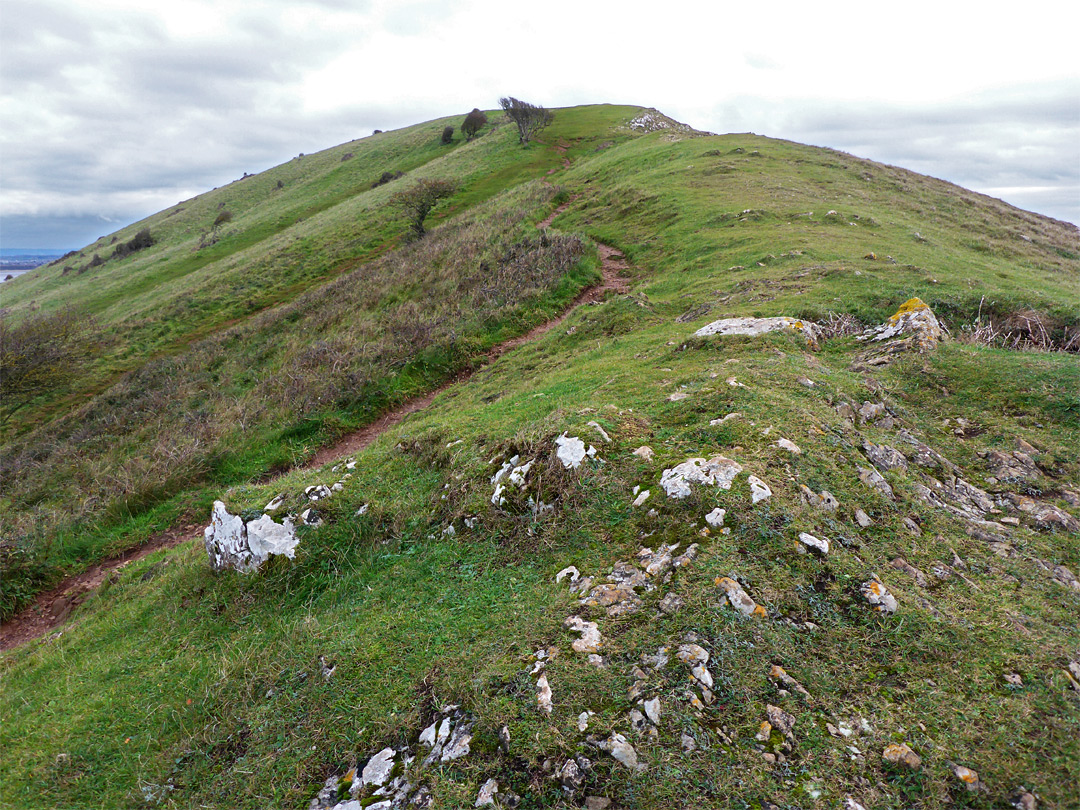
[529, 118]
[839, 324]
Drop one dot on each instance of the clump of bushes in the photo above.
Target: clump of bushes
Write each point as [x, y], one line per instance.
[447, 135]
[139, 241]
[386, 177]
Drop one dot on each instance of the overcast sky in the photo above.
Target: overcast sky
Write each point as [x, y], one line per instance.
[115, 109]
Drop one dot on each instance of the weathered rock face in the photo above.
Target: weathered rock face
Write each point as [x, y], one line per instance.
[754, 327]
[913, 328]
[244, 548]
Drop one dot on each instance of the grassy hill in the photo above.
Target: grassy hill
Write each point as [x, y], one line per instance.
[237, 351]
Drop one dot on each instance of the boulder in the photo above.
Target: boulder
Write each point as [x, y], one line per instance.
[912, 328]
[754, 327]
[716, 471]
[232, 544]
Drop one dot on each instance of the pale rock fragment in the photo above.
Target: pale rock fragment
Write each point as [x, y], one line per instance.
[645, 453]
[486, 796]
[724, 419]
[671, 604]
[378, 768]
[884, 457]
[863, 519]
[968, 777]
[458, 744]
[740, 599]
[780, 676]
[570, 571]
[878, 596]
[600, 430]
[642, 497]
[570, 776]
[652, 710]
[781, 721]
[692, 654]
[900, 564]
[901, 754]
[583, 721]
[872, 478]
[715, 518]
[688, 743]
[543, 693]
[717, 471]
[913, 318]
[622, 751]
[759, 490]
[686, 557]
[570, 451]
[790, 446]
[590, 640]
[820, 545]
[678, 396]
[275, 504]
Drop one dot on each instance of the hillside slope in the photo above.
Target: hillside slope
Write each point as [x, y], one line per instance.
[868, 600]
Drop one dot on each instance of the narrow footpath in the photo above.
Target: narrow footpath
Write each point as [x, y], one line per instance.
[51, 608]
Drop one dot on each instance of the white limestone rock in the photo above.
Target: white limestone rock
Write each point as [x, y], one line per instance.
[571, 451]
[717, 471]
[759, 490]
[820, 545]
[378, 769]
[244, 548]
[755, 327]
[590, 640]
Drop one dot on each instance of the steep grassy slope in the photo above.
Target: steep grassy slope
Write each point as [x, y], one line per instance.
[227, 347]
[177, 687]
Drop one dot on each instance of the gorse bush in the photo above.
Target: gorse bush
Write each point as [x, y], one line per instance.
[140, 241]
[387, 177]
[448, 135]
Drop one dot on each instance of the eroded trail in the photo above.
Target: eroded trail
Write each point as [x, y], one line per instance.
[52, 607]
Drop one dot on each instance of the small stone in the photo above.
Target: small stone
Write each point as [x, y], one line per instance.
[570, 571]
[570, 776]
[671, 604]
[642, 497]
[790, 446]
[645, 453]
[486, 797]
[969, 777]
[900, 564]
[804, 382]
[688, 743]
[597, 803]
[872, 478]
[504, 739]
[543, 693]
[821, 546]
[764, 732]
[621, 750]
[678, 396]
[692, 654]
[723, 419]
[759, 490]
[583, 721]
[590, 640]
[912, 526]
[851, 804]
[715, 518]
[1013, 679]
[780, 675]
[781, 721]
[570, 451]
[740, 599]
[652, 710]
[900, 754]
[600, 430]
[1023, 799]
[878, 596]
[863, 519]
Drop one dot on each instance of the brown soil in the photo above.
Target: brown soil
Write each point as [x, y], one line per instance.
[52, 607]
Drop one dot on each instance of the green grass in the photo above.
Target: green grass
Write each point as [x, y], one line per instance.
[173, 675]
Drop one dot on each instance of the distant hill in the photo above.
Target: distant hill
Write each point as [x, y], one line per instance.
[553, 541]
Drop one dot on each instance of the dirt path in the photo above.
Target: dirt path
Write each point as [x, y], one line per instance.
[52, 607]
[612, 267]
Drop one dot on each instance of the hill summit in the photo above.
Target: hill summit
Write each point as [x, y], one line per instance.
[654, 469]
